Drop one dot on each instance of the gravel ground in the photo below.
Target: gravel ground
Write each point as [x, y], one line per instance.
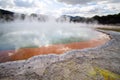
[99, 63]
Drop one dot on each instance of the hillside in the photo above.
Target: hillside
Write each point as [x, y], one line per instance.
[109, 19]
[6, 15]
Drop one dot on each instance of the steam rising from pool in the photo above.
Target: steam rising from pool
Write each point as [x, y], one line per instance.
[20, 34]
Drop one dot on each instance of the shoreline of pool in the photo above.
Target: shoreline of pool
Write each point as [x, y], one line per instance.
[25, 53]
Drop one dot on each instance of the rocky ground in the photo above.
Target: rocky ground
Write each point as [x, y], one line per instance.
[100, 63]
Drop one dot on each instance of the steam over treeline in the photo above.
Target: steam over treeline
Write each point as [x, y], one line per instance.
[11, 16]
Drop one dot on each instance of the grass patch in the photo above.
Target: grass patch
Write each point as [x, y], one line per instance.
[110, 29]
[106, 74]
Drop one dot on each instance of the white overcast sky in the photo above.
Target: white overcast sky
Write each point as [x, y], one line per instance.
[87, 8]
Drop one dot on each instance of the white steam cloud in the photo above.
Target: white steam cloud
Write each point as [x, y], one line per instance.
[18, 34]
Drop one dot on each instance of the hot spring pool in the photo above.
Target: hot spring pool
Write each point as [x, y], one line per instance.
[26, 38]
[28, 35]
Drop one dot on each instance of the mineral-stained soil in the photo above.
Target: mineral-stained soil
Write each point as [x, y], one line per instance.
[99, 63]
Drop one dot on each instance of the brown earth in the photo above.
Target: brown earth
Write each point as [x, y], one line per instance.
[25, 53]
